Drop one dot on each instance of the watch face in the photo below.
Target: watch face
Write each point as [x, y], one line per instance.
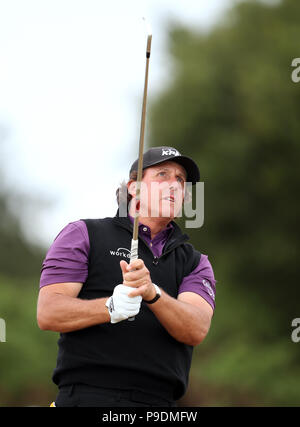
[158, 291]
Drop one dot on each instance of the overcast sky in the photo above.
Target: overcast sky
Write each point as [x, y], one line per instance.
[71, 85]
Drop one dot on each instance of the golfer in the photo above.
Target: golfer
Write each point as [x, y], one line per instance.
[89, 293]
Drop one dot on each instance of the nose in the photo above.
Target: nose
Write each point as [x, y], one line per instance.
[173, 185]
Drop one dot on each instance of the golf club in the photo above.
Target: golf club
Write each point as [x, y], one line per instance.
[134, 241]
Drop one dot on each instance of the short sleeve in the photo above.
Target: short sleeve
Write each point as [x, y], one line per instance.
[201, 281]
[67, 257]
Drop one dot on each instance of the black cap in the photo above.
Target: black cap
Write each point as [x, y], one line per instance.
[158, 155]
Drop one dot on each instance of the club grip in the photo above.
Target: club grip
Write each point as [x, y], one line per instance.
[133, 255]
[134, 250]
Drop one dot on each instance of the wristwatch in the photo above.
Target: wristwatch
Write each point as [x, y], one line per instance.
[157, 296]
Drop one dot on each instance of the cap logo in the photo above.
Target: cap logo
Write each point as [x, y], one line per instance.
[170, 152]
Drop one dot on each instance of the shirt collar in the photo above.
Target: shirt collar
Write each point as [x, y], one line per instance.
[146, 228]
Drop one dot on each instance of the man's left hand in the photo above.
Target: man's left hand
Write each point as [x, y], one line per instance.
[136, 275]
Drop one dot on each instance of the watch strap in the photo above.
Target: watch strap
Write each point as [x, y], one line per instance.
[157, 296]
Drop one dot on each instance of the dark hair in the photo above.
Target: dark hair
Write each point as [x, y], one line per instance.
[122, 193]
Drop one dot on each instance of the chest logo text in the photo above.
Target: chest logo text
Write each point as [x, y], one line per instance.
[123, 252]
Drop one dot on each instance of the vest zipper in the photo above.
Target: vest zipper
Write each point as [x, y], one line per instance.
[155, 258]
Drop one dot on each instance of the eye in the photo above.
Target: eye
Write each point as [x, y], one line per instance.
[162, 173]
[179, 179]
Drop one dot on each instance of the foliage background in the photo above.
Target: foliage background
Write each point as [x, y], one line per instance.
[231, 105]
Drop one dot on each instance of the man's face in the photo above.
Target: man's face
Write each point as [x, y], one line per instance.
[162, 190]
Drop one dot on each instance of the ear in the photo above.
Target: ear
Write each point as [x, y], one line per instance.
[187, 197]
[131, 187]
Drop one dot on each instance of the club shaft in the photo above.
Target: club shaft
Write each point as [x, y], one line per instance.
[142, 137]
[134, 241]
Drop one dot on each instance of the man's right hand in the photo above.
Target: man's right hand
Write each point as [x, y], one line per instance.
[121, 306]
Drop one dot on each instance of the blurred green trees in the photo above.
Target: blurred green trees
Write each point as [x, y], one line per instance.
[19, 258]
[28, 355]
[231, 104]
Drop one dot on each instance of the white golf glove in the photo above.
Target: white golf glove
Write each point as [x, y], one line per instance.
[121, 306]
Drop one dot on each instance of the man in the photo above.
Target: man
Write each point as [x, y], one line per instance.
[89, 292]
